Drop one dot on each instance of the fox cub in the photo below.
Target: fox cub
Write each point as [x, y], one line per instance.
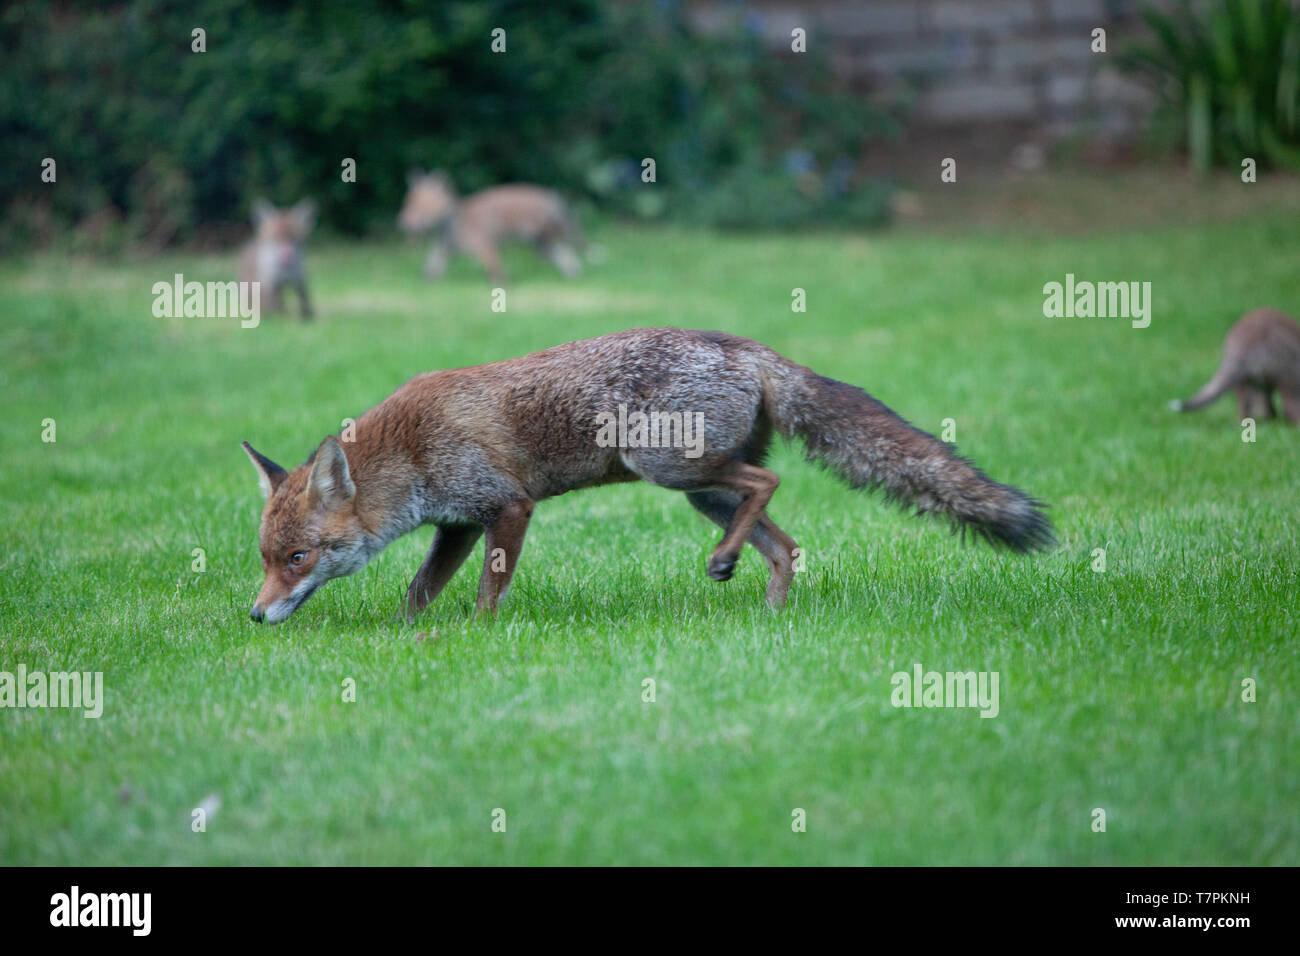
[1261, 353]
[472, 450]
[479, 223]
[274, 256]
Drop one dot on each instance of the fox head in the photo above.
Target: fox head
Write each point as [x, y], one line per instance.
[310, 532]
[430, 199]
[279, 235]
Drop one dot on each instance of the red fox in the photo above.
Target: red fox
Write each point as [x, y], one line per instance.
[1260, 353]
[472, 450]
[477, 224]
[274, 256]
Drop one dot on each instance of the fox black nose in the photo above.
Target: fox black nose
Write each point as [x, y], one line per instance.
[257, 614]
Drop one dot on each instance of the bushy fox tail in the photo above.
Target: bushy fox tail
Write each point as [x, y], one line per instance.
[870, 446]
[1223, 379]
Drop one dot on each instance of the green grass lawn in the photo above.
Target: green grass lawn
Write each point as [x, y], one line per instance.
[1119, 690]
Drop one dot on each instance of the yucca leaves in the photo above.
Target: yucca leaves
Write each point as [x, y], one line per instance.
[1231, 70]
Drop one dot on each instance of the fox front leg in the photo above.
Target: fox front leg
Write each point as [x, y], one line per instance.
[451, 546]
[435, 264]
[1291, 402]
[304, 301]
[505, 539]
[562, 257]
[274, 299]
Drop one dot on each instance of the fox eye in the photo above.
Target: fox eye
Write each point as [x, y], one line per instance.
[297, 558]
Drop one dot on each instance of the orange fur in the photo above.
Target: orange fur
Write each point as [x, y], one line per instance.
[472, 450]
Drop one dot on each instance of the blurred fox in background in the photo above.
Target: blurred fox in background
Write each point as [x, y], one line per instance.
[274, 256]
[478, 223]
[1260, 353]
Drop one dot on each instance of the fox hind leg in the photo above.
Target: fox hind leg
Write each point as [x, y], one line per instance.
[774, 544]
[1291, 401]
[488, 256]
[755, 486]
[1254, 402]
[746, 431]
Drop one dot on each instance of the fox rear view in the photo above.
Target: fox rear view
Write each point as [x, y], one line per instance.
[478, 224]
[1261, 354]
[472, 450]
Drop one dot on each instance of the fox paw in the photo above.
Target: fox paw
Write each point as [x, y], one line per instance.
[721, 568]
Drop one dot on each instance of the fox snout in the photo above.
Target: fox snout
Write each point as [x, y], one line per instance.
[281, 595]
[277, 600]
[277, 611]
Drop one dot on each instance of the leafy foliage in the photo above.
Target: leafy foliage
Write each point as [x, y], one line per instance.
[1230, 72]
[153, 140]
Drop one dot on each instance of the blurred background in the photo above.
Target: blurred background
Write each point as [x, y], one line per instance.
[131, 537]
[168, 146]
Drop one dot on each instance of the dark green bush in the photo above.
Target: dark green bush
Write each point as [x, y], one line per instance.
[1229, 73]
[155, 143]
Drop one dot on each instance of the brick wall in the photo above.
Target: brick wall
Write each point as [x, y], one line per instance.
[968, 63]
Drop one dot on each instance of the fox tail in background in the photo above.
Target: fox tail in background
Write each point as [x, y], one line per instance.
[1223, 380]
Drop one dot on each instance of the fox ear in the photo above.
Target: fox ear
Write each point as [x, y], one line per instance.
[261, 211]
[269, 474]
[330, 481]
[304, 216]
